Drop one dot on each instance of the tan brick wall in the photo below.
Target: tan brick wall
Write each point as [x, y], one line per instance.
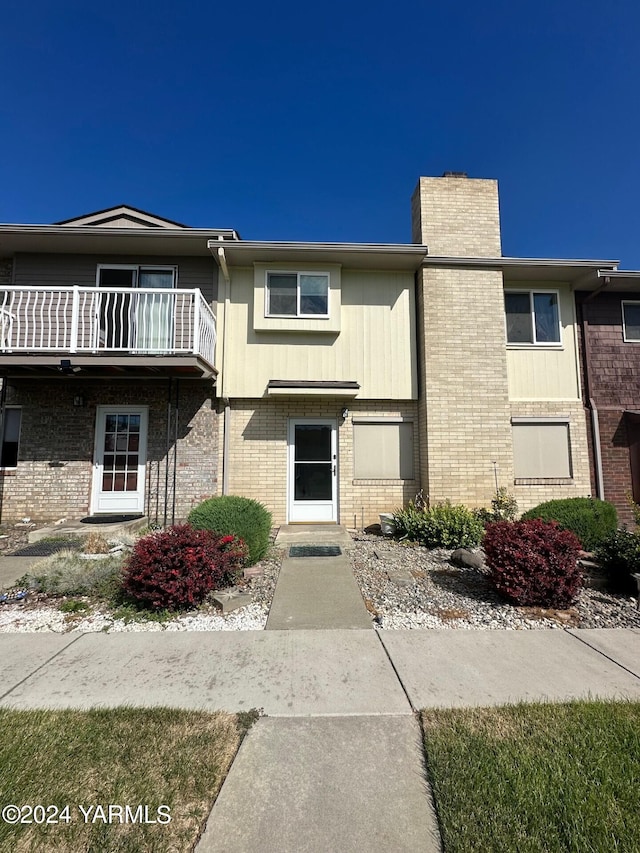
[533, 493]
[54, 429]
[464, 408]
[258, 455]
[457, 217]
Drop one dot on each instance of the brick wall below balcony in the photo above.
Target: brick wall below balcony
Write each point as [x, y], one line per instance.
[53, 429]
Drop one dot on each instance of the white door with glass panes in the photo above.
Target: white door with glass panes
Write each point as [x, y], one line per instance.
[120, 459]
[313, 470]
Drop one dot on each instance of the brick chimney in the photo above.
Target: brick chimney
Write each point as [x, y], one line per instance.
[457, 216]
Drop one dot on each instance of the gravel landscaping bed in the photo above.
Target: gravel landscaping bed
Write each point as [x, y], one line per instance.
[404, 586]
[408, 586]
[41, 614]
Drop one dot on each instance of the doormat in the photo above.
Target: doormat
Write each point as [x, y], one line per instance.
[314, 551]
[108, 519]
[43, 548]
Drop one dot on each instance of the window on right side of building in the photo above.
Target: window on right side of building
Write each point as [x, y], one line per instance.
[541, 451]
[631, 320]
[532, 317]
[383, 451]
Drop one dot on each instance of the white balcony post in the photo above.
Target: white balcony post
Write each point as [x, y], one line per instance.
[75, 313]
[196, 322]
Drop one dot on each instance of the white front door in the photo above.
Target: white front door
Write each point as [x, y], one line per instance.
[313, 470]
[119, 459]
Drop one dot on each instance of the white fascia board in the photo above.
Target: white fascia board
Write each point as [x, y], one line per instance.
[432, 260]
[388, 256]
[618, 273]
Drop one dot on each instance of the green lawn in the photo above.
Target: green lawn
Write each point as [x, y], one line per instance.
[124, 757]
[541, 778]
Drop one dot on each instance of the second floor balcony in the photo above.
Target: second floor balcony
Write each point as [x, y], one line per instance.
[125, 327]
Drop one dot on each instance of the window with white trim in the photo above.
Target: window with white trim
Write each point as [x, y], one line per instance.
[10, 438]
[297, 294]
[541, 451]
[383, 451]
[533, 317]
[631, 320]
[125, 275]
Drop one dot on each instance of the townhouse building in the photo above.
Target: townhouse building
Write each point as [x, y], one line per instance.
[147, 365]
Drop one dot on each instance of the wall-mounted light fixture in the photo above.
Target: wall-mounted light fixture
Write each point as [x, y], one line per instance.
[66, 368]
[345, 413]
[78, 400]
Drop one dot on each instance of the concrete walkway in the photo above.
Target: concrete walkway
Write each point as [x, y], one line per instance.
[345, 784]
[13, 568]
[316, 592]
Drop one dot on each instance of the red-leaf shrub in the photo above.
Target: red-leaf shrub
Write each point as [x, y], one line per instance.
[176, 568]
[533, 563]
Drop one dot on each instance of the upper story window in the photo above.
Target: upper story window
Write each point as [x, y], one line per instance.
[631, 320]
[122, 275]
[297, 294]
[532, 317]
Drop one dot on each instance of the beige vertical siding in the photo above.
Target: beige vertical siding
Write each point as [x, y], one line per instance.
[546, 373]
[376, 345]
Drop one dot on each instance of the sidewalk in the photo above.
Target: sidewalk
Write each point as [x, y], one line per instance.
[318, 673]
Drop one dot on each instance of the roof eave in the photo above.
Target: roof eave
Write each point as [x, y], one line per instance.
[402, 256]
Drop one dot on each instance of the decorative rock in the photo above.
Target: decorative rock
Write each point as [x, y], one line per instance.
[13, 596]
[231, 599]
[399, 576]
[255, 571]
[466, 559]
[439, 592]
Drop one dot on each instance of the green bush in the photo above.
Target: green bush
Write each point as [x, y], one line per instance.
[619, 556]
[504, 507]
[440, 526]
[591, 519]
[232, 515]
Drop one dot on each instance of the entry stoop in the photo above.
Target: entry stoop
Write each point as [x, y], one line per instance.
[314, 534]
[107, 525]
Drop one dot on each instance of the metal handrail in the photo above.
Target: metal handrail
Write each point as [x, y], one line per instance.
[79, 319]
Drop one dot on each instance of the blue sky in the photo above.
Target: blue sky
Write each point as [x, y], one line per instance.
[295, 121]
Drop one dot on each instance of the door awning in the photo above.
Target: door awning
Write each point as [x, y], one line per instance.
[318, 388]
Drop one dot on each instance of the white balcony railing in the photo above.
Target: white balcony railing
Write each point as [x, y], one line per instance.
[94, 320]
